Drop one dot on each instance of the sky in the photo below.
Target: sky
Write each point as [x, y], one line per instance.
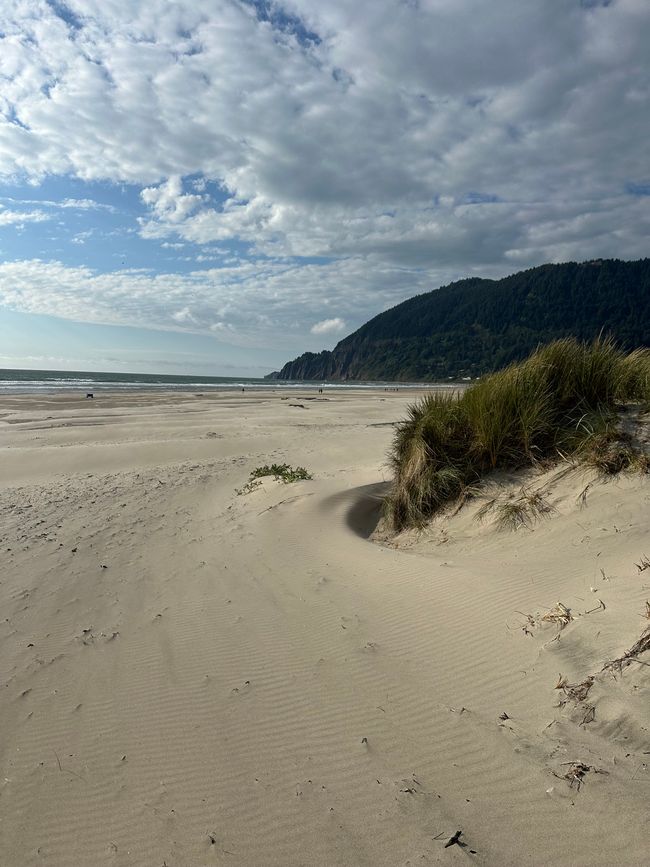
[215, 186]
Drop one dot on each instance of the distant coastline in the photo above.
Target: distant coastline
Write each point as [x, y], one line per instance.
[67, 381]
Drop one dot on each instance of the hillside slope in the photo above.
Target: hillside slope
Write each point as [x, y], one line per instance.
[473, 326]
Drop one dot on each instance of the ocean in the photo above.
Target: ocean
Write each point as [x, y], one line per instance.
[58, 381]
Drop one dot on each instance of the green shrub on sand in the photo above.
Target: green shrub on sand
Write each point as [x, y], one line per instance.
[560, 402]
[280, 472]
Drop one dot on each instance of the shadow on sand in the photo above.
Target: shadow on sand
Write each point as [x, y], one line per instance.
[366, 510]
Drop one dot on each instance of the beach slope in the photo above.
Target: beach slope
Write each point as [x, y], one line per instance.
[195, 677]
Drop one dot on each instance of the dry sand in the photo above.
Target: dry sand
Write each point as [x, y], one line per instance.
[191, 677]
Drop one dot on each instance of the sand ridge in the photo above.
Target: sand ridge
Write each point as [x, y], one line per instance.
[193, 677]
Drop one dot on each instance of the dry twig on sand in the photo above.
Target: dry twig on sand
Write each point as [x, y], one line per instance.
[578, 692]
[559, 614]
[577, 772]
[530, 621]
[599, 607]
[632, 655]
[589, 716]
[582, 496]
[575, 691]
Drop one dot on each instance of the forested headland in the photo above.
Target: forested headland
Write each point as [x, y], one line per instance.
[477, 325]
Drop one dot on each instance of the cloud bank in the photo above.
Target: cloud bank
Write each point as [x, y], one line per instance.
[396, 143]
[242, 304]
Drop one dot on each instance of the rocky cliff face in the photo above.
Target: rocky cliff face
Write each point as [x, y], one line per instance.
[340, 364]
[309, 366]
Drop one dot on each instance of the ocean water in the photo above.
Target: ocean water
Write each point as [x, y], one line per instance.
[58, 381]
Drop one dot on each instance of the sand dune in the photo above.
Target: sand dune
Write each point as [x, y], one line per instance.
[192, 677]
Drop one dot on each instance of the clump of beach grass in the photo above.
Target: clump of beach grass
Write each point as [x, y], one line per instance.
[514, 512]
[561, 402]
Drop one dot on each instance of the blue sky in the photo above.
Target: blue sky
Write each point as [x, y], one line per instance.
[215, 188]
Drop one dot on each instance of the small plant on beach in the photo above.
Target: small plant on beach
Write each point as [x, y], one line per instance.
[561, 402]
[280, 472]
[516, 512]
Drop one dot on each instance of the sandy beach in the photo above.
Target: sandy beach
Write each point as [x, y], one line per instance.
[191, 676]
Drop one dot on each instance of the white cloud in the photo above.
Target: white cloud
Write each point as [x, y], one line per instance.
[168, 202]
[77, 204]
[408, 144]
[184, 317]
[81, 237]
[249, 304]
[19, 218]
[81, 205]
[221, 327]
[329, 326]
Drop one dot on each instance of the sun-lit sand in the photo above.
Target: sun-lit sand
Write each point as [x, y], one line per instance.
[192, 677]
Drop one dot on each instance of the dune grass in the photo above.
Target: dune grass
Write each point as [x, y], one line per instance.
[521, 510]
[560, 402]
